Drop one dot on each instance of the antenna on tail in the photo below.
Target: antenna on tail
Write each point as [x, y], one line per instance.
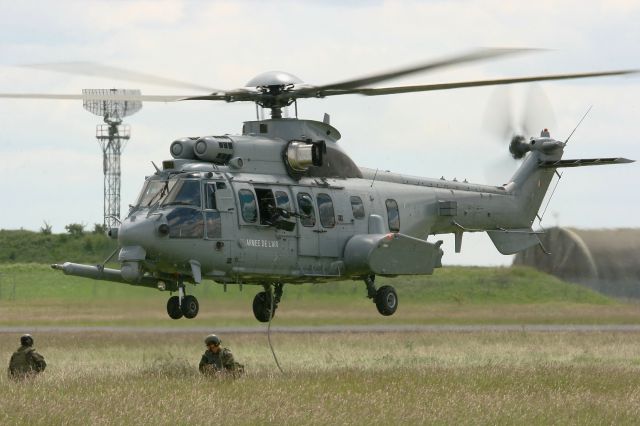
[579, 122]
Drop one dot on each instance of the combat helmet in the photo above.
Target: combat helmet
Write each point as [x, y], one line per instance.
[26, 340]
[212, 339]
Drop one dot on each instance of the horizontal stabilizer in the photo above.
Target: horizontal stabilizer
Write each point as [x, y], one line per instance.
[583, 162]
[511, 241]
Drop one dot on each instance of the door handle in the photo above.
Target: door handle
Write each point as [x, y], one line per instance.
[319, 231]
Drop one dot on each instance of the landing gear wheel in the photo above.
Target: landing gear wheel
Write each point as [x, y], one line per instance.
[173, 307]
[262, 307]
[386, 300]
[190, 306]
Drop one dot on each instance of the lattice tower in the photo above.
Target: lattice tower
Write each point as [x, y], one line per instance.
[112, 137]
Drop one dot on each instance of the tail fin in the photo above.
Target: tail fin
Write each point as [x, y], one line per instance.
[531, 181]
[530, 184]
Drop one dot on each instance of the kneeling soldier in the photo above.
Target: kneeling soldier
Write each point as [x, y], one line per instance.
[26, 362]
[217, 360]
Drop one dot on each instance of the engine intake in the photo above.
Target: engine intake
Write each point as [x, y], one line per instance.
[183, 148]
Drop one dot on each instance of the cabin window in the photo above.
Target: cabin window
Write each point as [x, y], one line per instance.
[282, 201]
[393, 215]
[185, 222]
[248, 206]
[325, 210]
[185, 192]
[357, 207]
[210, 196]
[305, 206]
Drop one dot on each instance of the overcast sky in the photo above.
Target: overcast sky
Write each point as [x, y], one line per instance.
[51, 165]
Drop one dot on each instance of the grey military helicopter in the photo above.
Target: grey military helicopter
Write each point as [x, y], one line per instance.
[284, 203]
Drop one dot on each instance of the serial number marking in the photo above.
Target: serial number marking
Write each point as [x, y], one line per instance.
[262, 243]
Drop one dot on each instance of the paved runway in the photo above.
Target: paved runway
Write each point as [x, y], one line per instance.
[493, 328]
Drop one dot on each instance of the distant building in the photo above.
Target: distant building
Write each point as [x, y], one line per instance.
[606, 260]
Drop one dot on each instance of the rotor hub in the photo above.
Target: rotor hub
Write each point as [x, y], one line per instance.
[274, 86]
[273, 78]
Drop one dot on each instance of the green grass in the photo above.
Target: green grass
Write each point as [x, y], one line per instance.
[33, 294]
[24, 256]
[460, 285]
[400, 378]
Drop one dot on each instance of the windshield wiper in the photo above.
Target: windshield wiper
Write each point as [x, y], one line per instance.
[160, 193]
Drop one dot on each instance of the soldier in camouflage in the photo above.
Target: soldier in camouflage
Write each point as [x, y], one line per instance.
[217, 360]
[26, 362]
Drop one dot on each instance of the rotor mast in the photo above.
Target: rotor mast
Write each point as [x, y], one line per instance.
[112, 138]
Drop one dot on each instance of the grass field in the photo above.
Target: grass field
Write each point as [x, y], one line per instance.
[401, 378]
[340, 378]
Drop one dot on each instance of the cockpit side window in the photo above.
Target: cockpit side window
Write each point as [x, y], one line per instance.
[210, 196]
[248, 206]
[185, 222]
[186, 193]
[213, 224]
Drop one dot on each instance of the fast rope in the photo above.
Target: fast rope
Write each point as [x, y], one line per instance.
[269, 331]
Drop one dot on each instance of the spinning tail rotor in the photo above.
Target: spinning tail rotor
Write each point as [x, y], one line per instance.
[533, 119]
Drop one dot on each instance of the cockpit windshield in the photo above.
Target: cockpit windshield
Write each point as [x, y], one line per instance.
[184, 192]
[153, 191]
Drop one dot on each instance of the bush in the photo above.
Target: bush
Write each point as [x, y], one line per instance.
[45, 229]
[75, 229]
[99, 229]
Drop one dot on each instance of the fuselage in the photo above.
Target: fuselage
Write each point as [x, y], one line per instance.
[261, 223]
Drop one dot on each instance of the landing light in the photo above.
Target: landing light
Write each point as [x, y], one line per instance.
[162, 286]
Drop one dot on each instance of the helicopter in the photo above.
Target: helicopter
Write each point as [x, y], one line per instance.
[283, 203]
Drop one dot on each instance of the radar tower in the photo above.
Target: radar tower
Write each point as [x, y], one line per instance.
[112, 137]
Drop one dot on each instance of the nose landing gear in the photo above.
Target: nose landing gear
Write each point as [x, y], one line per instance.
[182, 305]
[385, 298]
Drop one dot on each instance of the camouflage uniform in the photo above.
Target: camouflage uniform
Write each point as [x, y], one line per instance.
[26, 362]
[219, 363]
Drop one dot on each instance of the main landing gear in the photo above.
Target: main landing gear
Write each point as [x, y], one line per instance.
[262, 302]
[385, 298]
[182, 305]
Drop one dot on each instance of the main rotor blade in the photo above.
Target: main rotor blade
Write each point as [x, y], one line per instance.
[105, 71]
[473, 56]
[476, 83]
[236, 95]
[96, 97]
